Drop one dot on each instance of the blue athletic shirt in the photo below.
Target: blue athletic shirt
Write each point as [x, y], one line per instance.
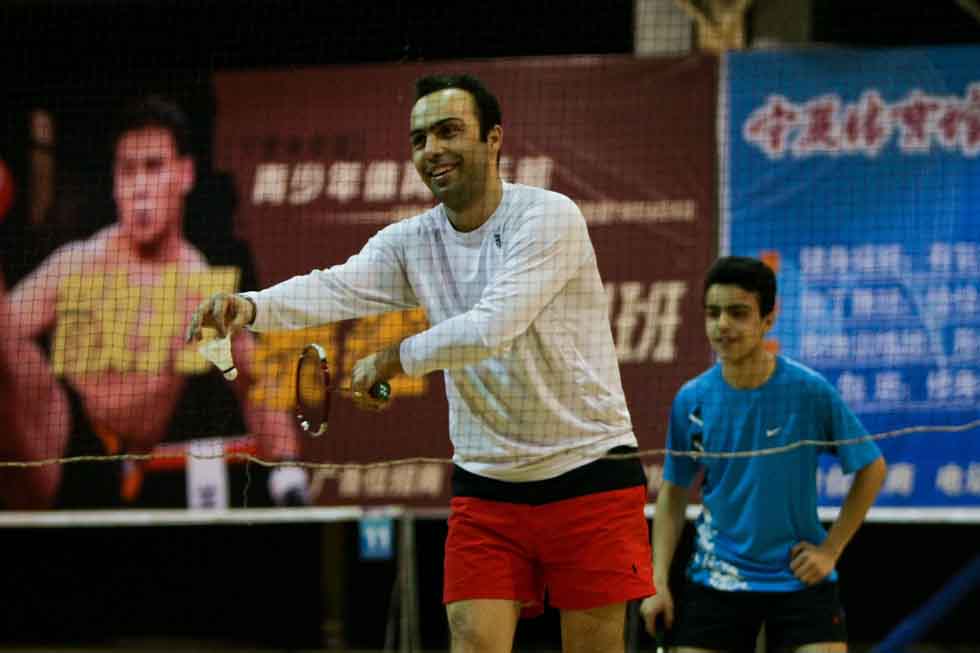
[755, 509]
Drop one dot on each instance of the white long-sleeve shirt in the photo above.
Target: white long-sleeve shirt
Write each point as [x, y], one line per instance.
[519, 323]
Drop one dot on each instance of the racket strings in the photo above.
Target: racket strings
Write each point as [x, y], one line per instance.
[313, 390]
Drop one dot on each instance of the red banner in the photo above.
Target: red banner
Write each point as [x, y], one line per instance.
[321, 161]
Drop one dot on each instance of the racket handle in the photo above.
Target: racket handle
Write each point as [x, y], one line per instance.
[380, 391]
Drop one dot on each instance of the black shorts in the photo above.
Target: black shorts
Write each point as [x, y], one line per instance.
[730, 621]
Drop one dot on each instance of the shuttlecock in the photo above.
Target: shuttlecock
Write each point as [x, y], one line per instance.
[218, 351]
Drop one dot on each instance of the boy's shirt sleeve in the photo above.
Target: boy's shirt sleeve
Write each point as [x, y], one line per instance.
[843, 424]
[682, 427]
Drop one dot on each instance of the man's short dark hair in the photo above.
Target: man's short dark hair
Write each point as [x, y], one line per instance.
[749, 274]
[154, 111]
[487, 105]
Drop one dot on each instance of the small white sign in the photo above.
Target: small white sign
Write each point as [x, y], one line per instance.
[207, 475]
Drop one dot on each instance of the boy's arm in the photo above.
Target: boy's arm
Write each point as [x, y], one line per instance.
[867, 482]
[812, 563]
[668, 524]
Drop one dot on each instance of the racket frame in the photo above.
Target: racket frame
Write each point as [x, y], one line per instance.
[324, 371]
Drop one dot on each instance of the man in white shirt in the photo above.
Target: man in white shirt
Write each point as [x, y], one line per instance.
[508, 278]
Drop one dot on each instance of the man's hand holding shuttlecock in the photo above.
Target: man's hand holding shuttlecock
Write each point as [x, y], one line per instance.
[225, 313]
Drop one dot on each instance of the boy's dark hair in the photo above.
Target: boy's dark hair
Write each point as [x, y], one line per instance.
[154, 111]
[749, 274]
[487, 105]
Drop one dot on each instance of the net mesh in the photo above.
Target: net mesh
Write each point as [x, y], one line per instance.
[668, 152]
[678, 130]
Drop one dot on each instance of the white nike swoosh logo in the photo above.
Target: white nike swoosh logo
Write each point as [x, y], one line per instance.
[772, 432]
[695, 419]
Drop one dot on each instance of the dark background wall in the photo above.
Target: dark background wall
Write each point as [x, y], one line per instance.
[274, 586]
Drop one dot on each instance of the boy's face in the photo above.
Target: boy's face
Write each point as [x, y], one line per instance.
[732, 322]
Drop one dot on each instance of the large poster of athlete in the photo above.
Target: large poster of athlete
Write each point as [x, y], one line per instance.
[103, 402]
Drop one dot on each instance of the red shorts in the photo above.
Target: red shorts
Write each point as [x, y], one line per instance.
[586, 552]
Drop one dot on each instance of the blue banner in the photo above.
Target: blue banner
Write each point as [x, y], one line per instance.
[856, 174]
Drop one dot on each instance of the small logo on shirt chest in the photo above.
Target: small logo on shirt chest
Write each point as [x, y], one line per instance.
[496, 240]
[772, 432]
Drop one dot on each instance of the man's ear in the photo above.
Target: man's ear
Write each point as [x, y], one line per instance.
[495, 138]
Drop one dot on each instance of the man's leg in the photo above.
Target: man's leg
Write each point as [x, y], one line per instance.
[595, 555]
[488, 575]
[598, 630]
[602, 630]
[483, 625]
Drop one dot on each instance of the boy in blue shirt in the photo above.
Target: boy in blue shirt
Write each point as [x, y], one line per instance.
[761, 554]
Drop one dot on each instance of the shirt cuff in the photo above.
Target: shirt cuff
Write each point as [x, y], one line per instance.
[257, 324]
[406, 354]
